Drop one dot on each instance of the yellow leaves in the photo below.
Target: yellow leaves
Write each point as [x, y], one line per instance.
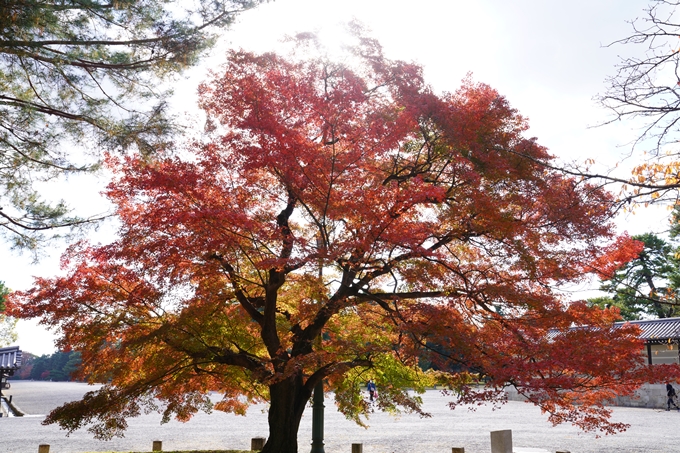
[656, 170]
[390, 370]
[452, 381]
[653, 180]
[301, 297]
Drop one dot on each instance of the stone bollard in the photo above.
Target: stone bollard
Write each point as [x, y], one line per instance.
[43, 448]
[562, 451]
[501, 441]
[458, 450]
[157, 445]
[257, 443]
[357, 448]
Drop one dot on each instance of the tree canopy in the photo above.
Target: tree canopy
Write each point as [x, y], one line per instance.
[646, 286]
[81, 76]
[646, 88]
[339, 222]
[3, 295]
[8, 333]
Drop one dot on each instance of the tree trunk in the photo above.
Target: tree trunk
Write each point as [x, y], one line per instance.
[288, 399]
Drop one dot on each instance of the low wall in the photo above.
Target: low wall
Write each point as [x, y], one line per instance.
[649, 395]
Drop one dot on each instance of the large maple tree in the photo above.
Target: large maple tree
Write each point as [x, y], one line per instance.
[340, 222]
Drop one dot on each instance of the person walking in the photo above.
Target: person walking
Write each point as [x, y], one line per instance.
[372, 390]
[670, 392]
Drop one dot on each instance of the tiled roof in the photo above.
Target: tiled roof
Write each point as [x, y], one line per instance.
[10, 359]
[654, 330]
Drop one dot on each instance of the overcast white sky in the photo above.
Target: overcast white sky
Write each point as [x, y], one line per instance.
[547, 57]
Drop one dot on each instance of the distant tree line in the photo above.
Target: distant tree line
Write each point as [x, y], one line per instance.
[59, 366]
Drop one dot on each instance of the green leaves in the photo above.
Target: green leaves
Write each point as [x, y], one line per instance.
[4, 291]
[647, 285]
[8, 333]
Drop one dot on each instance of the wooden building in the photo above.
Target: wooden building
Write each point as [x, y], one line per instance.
[662, 339]
[10, 361]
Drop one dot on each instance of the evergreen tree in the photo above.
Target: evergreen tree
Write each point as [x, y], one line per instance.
[8, 333]
[40, 367]
[72, 364]
[646, 286]
[87, 72]
[54, 367]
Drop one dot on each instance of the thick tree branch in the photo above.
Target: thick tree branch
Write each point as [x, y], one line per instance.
[241, 296]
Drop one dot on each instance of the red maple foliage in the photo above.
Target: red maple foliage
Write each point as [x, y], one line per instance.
[341, 222]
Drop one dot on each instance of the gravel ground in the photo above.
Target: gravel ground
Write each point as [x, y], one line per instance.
[651, 431]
